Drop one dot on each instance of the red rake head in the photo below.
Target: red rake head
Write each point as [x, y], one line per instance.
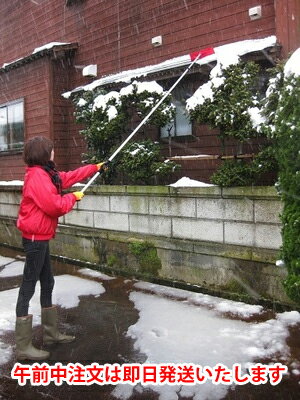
[202, 53]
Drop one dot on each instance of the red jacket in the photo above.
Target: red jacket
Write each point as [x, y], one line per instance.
[41, 205]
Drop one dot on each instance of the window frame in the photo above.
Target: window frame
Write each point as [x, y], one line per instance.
[6, 105]
[175, 135]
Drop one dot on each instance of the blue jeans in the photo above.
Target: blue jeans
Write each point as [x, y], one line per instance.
[37, 267]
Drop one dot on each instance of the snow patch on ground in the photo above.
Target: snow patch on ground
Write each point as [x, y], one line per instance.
[218, 304]
[5, 260]
[188, 182]
[13, 269]
[80, 287]
[6, 352]
[169, 331]
[61, 296]
[95, 274]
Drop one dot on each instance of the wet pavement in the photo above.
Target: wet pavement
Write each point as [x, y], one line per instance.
[100, 325]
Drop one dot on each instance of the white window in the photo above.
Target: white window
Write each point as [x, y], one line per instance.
[12, 125]
[181, 125]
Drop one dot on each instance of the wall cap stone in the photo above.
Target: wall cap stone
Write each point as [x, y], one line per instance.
[261, 192]
[254, 192]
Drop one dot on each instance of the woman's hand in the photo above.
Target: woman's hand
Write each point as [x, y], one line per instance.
[78, 195]
[102, 166]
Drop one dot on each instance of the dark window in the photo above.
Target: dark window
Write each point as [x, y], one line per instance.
[181, 125]
[12, 126]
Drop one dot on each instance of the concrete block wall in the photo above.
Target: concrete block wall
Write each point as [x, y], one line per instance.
[9, 201]
[218, 239]
[237, 216]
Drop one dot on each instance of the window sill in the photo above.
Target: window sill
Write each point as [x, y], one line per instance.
[179, 139]
[11, 152]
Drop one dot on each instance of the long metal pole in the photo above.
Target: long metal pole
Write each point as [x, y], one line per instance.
[143, 121]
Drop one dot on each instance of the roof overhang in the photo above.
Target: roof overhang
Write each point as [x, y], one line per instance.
[57, 51]
[254, 49]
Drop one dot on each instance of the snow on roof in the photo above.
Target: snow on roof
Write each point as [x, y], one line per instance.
[292, 66]
[226, 55]
[12, 62]
[37, 50]
[238, 48]
[48, 46]
[128, 75]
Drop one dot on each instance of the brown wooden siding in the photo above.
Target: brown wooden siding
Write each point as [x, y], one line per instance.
[116, 35]
[287, 17]
[31, 83]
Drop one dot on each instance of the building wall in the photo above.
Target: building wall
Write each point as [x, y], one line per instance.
[116, 35]
[68, 144]
[219, 239]
[32, 83]
[287, 18]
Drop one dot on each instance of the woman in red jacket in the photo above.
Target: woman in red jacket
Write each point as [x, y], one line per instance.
[41, 205]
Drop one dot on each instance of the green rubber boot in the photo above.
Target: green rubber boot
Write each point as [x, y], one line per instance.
[50, 325]
[25, 349]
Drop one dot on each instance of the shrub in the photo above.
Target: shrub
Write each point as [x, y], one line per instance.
[231, 102]
[232, 94]
[233, 173]
[142, 162]
[108, 117]
[287, 138]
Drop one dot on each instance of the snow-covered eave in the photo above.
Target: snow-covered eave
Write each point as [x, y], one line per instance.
[56, 50]
[264, 45]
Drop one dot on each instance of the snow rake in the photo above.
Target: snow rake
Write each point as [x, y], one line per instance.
[195, 56]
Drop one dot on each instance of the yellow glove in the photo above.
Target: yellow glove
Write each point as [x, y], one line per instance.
[103, 166]
[78, 195]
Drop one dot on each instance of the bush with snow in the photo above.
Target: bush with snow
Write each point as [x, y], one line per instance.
[142, 162]
[223, 102]
[230, 101]
[108, 117]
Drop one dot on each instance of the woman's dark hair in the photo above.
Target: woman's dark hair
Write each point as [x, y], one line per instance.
[37, 151]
